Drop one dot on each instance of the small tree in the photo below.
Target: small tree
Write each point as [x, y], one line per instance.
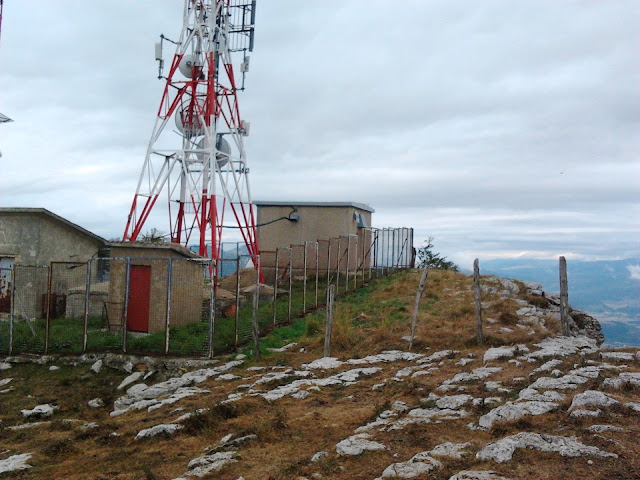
[154, 236]
[428, 258]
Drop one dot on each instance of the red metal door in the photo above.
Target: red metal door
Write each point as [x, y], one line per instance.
[139, 298]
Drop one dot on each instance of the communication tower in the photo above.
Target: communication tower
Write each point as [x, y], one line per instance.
[196, 155]
[0, 16]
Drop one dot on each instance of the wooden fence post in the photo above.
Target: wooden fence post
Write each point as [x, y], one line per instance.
[423, 281]
[329, 325]
[564, 297]
[476, 297]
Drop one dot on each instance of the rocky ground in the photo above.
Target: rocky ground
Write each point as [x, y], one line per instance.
[544, 406]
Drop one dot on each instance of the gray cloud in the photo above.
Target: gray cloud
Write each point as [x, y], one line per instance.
[497, 127]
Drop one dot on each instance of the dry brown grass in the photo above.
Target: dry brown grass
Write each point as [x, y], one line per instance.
[290, 431]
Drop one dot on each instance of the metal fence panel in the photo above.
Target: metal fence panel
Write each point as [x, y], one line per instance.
[106, 315]
[311, 275]
[185, 303]
[298, 277]
[182, 306]
[281, 308]
[227, 301]
[27, 321]
[233, 323]
[65, 311]
[6, 286]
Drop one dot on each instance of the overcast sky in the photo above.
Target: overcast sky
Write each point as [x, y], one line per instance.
[501, 128]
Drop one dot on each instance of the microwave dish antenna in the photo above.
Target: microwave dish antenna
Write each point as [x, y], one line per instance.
[201, 168]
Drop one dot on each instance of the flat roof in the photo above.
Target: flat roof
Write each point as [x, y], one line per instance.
[360, 206]
[159, 246]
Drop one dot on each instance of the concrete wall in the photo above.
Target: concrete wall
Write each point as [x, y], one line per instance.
[332, 225]
[186, 292]
[314, 223]
[37, 239]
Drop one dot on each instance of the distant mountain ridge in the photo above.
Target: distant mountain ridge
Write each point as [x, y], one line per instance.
[607, 289]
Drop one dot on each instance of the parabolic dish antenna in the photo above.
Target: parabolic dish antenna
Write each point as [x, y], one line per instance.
[189, 66]
[188, 122]
[223, 147]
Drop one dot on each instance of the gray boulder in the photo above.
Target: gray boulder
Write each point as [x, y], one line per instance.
[503, 450]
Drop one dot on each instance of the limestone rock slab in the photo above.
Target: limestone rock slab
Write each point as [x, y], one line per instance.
[419, 464]
[477, 475]
[514, 411]
[15, 463]
[451, 450]
[163, 429]
[565, 382]
[202, 466]
[39, 411]
[503, 450]
[356, 444]
[592, 398]
[496, 353]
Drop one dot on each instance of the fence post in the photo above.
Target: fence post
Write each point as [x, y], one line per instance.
[329, 325]
[212, 308]
[364, 252]
[255, 327]
[338, 265]
[317, 270]
[275, 287]
[402, 256]
[47, 325]
[304, 280]
[290, 281]
[87, 301]
[12, 307]
[394, 250]
[387, 246]
[346, 270]
[167, 319]
[564, 297]
[328, 261]
[476, 297]
[423, 281]
[126, 305]
[373, 253]
[236, 314]
[381, 246]
[355, 272]
[412, 260]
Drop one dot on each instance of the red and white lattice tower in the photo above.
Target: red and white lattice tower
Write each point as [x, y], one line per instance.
[0, 16]
[196, 155]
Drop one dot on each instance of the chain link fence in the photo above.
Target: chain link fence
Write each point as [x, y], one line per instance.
[193, 307]
[6, 286]
[27, 327]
